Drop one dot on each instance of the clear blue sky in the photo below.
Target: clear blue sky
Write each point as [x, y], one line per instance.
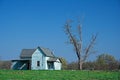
[32, 23]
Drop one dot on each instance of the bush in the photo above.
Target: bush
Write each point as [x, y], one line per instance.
[5, 64]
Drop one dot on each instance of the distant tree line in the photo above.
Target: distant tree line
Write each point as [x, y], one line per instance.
[5, 64]
[103, 62]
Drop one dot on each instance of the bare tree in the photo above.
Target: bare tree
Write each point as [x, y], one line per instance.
[76, 41]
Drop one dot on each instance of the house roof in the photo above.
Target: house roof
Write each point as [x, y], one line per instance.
[47, 52]
[28, 52]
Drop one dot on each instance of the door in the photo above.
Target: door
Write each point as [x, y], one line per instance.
[50, 65]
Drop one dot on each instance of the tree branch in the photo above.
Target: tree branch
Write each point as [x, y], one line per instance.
[87, 50]
[73, 40]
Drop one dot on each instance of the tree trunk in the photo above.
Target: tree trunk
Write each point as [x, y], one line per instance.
[80, 65]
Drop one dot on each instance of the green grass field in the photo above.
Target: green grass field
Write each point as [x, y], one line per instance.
[57, 75]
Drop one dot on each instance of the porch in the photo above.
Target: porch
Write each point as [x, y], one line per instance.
[22, 64]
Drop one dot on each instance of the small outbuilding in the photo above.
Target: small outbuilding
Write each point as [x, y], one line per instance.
[37, 59]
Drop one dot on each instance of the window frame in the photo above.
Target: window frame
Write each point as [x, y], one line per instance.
[38, 63]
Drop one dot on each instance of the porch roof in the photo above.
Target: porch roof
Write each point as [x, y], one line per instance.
[52, 59]
[21, 60]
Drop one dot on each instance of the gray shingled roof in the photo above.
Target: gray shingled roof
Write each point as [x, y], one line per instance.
[47, 52]
[27, 53]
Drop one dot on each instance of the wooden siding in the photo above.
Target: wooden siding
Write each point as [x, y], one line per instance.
[57, 65]
[38, 56]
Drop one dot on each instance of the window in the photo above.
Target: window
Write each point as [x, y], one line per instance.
[38, 63]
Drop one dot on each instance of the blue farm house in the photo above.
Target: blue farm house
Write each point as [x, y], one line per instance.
[37, 59]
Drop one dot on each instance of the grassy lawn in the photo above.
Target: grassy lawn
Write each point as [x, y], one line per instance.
[57, 75]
